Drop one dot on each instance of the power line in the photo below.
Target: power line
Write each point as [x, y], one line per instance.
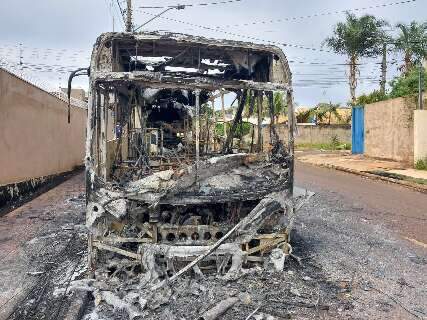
[121, 12]
[217, 29]
[321, 14]
[58, 51]
[193, 4]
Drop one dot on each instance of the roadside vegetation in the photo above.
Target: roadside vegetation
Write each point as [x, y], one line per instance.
[333, 145]
[325, 113]
[401, 86]
[399, 177]
[421, 164]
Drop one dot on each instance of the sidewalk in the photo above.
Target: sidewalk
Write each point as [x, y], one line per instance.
[390, 171]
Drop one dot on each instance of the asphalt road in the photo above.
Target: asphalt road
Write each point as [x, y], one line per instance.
[362, 245]
[369, 237]
[402, 210]
[42, 248]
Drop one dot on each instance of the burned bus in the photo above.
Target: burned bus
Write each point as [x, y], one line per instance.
[165, 187]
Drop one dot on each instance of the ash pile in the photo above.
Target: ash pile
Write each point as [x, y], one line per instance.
[176, 236]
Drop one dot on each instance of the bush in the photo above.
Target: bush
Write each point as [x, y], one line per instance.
[373, 97]
[241, 130]
[406, 84]
[401, 86]
[335, 142]
[421, 164]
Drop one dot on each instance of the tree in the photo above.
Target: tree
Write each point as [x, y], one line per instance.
[303, 116]
[326, 111]
[357, 38]
[279, 101]
[406, 84]
[412, 43]
[322, 112]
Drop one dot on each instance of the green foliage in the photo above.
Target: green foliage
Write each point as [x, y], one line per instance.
[304, 116]
[411, 42]
[401, 86]
[324, 146]
[219, 129]
[421, 164]
[375, 96]
[335, 142]
[280, 106]
[359, 37]
[279, 101]
[399, 176]
[242, 129]
[406, 84]
[323, 112]
[206, 109]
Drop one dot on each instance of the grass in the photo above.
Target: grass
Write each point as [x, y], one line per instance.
[399, 177]
[421, 164]
[334, 144]
[323, 146]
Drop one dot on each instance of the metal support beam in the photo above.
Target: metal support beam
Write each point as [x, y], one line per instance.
[104, 120]
[197, 92]
[223, 114]
[214, 125]
[274, 136]
[291, 127]
[259, 109]
[237, 119]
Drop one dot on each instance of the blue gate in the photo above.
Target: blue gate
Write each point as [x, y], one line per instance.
[358, 130]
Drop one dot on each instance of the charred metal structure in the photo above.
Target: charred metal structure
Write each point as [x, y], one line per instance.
[163, 187]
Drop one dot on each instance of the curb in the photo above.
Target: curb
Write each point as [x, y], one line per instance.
[410, 185]
[77, 306]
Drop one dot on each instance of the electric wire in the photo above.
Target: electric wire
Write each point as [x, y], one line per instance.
[322, 14]
[241, 35]
[192, 4]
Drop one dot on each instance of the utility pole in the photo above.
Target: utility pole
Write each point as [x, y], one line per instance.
[129, 16]
[21, 57]
[383, 70]
[112, 14]
[420, 86]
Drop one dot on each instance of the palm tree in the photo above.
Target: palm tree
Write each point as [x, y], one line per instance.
[411, 41]
[326, 111]
[357, 38]
[322, 112]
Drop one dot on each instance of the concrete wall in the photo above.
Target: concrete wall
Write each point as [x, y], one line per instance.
[311, 134]
[420, 135]
[78, 94]
[35, 138]
[389, 129]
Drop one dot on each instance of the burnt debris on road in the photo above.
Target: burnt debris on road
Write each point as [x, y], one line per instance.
[166, 196]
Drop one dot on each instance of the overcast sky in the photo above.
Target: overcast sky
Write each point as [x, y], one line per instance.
[61, 33]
